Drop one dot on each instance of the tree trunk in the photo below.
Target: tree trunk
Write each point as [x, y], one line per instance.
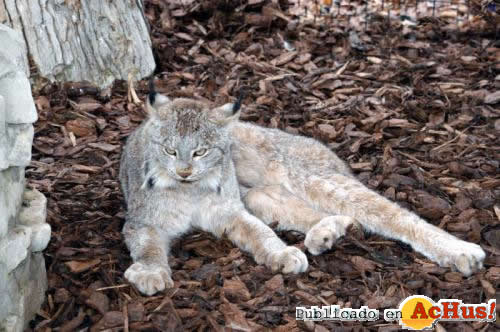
[83, 40]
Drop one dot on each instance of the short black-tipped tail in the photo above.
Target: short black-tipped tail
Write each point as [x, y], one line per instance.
[152, 92]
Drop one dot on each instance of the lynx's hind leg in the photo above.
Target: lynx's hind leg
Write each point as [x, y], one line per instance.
[323, 235]
[342, 195]
[276, 203]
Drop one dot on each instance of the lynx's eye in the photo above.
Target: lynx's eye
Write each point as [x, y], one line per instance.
[200, 152]
[169, 151]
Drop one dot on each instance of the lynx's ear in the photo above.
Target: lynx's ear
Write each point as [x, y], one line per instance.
[156, 101]
[227, 113]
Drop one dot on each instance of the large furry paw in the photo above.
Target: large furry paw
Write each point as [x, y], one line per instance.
[149, 279]
[288, 260]
[324, 234]
[465, 256]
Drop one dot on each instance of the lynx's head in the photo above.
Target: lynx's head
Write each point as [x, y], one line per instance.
[188, 140]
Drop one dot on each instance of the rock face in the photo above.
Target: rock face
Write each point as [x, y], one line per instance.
[23, 230]
[93, 40]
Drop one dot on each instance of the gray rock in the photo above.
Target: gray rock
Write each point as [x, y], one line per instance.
[14, 72]
[16, 54]
[5, 301]
[33, 214]
[23, 232]
[16, 90]
[2, 115]
[40, 237]
[34, 209]
[14, 247]
[37, 276]
[20, 139]
[23, 292]
[11, 191]
[3, 137]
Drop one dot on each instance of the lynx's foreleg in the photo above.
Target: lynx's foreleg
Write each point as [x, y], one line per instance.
[148, 247]
[252, 235]
[346, 196]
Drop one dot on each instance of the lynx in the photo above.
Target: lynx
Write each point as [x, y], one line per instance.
[190, 165]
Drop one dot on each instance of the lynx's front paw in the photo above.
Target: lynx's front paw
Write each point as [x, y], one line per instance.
[149, 279]
[466, 257]
[323, 235]
[288, 260]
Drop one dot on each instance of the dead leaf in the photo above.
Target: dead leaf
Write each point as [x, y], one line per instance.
[81, 266]
[493, 237]
[308, 298]
[235, 289]
[184, 36]
[492, 98]
[362, 166]
[275, 284]
[81, 127]
[235, 318]
[488, 288]
[362, 264]
[109, 320]
[42, 103]
[381, 302]
[98, 301]
[136, 311]
[493, 274]
[104, 146]
[284, 58]
[328, 131]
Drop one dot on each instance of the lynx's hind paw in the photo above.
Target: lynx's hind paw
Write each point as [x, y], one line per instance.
[149, 279]
[323, 235]
[466, 257]
[289, 260]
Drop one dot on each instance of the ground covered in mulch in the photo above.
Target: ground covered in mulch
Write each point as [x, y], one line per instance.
[418, 121]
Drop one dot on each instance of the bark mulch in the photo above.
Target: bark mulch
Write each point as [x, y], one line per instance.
[418, 121]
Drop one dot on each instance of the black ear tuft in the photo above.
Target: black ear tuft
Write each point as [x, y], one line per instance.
[151, 182]
[237, 104]
[152, 92]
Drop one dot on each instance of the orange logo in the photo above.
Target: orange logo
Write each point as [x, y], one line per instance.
[418, 312]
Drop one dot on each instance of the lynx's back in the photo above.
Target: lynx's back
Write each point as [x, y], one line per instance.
[265, 156]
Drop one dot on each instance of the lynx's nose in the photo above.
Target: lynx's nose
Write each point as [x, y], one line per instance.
[184, 172]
